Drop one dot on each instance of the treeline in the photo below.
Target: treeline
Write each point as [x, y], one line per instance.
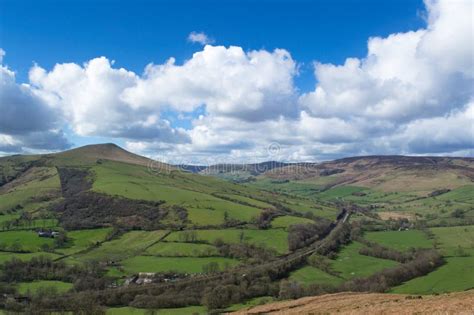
[87, 277]
[300, 235]
[424, 262]
[378, 251]
[250, 253]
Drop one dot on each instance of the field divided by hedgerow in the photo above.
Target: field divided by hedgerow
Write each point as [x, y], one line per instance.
[400, 240]
[138, 264]
[276, 239]
[127, 245]
[350, 264]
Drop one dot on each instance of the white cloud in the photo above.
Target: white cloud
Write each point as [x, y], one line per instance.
[200, 37]
[411, 94]
[26, 121]
[405, 76]
[254, 86]
[89, 96]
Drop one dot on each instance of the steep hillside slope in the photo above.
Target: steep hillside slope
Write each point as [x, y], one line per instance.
[360, 303]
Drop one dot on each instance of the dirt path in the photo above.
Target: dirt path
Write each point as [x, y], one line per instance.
[461, 303]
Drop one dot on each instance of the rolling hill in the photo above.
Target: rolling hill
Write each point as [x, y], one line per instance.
[132, 233]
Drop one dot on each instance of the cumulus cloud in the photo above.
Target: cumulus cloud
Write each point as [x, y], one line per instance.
[26, 121]
[411, 94]
[253, 86]
[200, 37]
[408, 88]
[89, 96]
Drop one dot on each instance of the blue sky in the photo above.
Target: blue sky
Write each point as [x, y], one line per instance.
[326, 110]
[135, 33]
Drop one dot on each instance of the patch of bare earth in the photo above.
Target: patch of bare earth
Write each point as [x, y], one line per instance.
[372, 303]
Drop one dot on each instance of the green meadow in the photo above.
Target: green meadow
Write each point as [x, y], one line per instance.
[83, 239]
[287, 220]
[6, 256]
[311, 275]
[400, 240]
[33, 287]
[350, 264]
[276, 239]
[175, 249]
[456, 275]
[24, 240]
[455, 240]
[130, 244]
[179, 264]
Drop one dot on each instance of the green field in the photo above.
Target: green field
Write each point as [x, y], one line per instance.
[83, 239]
[40, 182]
[24, 240]
[175, 249]
[286, 221]
[309, 275]
[179, 264]
[455, 240]
[400, 240]
[351, 264]
[130, 244]
[32, 287]
[456, 275]
[5, 256]
[276, 239]
[179, 188]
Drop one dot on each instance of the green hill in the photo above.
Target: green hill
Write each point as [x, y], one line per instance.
[116, 215]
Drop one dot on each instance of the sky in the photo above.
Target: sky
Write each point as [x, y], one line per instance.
[238, 81]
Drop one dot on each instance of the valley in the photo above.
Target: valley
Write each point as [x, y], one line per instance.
[132, 235]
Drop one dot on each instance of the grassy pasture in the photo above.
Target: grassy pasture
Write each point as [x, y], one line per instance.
[453, 238]
[130, 244]
[83, 239]
[40, 182]
[286, 221]
[175, 249]
[309, 275]
[400, 240]
[32, 287]
[180, 264]
[350, 264]
[187, 190]
[24, 240]
[5, 256]
[7, 217]
[247, 200]
[456, 275]
[276, 239]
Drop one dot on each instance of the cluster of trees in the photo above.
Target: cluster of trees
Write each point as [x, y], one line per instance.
[264, 220]
[340, 235]
[245, 251]
[379, 251]
[300, 235]
[92, 210]
[89, 276]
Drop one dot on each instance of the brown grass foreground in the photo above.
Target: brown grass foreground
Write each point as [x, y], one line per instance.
[372, 303]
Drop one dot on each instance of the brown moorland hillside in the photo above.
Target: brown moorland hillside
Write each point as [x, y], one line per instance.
[386, 173]
[371, 303]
